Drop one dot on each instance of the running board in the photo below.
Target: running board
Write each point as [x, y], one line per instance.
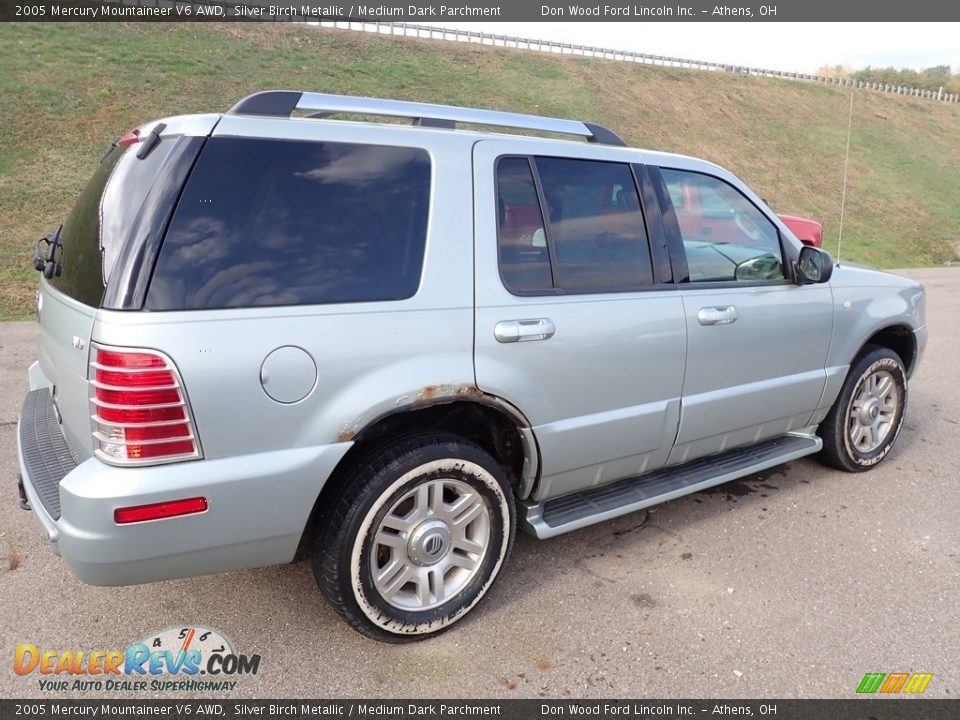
[577, 510]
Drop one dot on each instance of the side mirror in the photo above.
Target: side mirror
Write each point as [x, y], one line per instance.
[813, 266]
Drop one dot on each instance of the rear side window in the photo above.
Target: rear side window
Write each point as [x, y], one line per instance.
[570, 226]
[277, 222]
[102, 218]
[524, 258]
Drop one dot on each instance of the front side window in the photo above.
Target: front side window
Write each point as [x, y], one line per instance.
[278, 222]
[568, 225]
[725, 236]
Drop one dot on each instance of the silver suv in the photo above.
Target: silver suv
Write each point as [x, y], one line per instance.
[391, 344]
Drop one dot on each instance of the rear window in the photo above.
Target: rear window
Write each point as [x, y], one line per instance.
[280, 222]
[101, 221]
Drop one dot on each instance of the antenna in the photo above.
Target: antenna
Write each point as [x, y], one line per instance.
[846, 167]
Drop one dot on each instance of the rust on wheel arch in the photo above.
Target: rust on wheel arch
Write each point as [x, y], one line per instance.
[439, 395]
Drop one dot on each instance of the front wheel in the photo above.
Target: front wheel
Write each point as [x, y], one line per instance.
[420, 531]
[865, 421]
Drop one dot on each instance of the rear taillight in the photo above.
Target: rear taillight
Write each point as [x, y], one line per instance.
[140, 410]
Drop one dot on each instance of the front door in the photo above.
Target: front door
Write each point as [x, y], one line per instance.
[757, 343]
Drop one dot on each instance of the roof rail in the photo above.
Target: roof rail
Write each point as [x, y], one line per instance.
[282, 103]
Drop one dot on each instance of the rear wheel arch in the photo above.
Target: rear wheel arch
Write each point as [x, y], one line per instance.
[485, 420]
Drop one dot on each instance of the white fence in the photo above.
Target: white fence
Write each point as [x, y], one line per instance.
[550, 46]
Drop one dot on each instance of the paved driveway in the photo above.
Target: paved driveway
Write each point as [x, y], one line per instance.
[792, 583]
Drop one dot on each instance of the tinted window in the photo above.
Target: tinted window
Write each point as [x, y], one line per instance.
[589, 227]
[725, 236]
[524, 258]
[269, 222]
[102, 218]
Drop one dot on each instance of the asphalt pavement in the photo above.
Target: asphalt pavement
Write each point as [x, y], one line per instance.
[791, 583]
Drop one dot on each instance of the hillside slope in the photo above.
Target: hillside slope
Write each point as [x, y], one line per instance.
[67, 90]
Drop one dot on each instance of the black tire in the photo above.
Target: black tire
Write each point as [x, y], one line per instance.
[840, 426]
[349, 561]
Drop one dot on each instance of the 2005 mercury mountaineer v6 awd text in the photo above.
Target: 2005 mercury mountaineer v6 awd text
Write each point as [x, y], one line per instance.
[391, 344]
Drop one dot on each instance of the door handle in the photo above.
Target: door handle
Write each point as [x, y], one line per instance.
[508, 331]
[717, 315]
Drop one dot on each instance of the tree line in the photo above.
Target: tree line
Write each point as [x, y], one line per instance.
[932, 78]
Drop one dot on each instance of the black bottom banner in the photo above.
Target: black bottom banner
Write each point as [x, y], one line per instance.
[854, 709]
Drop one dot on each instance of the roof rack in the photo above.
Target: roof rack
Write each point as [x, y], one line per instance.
[281, 103]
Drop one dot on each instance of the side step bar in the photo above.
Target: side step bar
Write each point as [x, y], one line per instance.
[577, 510]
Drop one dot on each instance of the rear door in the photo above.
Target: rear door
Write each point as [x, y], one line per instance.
[576, 323]
[757, 343]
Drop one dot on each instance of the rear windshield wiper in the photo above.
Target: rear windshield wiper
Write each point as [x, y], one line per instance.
[50, 263]
[132, 138]
[151, 141]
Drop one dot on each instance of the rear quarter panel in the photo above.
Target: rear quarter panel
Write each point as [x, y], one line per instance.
[368, 361]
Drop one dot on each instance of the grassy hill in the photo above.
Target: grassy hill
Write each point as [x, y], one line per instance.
[67, 90]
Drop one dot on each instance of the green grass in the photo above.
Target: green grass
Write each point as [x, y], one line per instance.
[67, 90]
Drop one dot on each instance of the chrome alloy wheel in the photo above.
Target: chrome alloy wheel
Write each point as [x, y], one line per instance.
[430, 544]
[873, 411]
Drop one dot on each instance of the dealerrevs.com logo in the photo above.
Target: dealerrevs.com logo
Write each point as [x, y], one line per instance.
[179, 658]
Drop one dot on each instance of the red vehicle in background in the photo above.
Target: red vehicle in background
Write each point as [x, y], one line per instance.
[809, 232]
[704, 213]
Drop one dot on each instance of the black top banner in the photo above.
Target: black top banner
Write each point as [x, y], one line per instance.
[421, 11]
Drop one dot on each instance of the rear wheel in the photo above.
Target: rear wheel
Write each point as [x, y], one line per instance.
[865, 421]
[417, 536]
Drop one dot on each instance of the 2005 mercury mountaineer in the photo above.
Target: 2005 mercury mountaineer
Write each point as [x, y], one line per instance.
[391, 344]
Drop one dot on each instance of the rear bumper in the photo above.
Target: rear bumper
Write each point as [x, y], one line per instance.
[258, 507]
